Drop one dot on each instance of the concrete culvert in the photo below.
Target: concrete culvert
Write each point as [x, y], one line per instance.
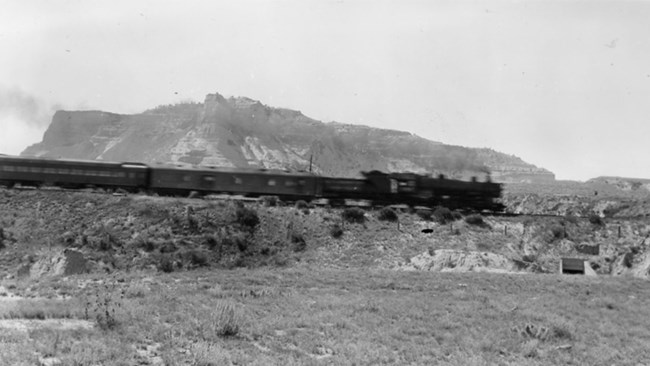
[427, 231]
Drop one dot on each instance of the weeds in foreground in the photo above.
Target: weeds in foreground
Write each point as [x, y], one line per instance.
[226, 319]
[104, 305]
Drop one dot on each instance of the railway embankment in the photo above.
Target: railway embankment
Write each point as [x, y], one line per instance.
[54, 233]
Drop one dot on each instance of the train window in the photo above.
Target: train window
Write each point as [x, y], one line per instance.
[206, 178]
[64, 171]
[238, 180]
[289, 183]
[131, 175]
[271, 182]
[187, 178]
[49, 171]
[9, 168]
[22, 169]
[36, 169]
[302, 182]
[393, 186]
[121, 175]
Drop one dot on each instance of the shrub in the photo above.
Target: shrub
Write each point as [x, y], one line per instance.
[571, 219]
[455, 215]
[301, 204]
[211, 241]
[168, 247]
[425, 214]
[336, 231]
[247, 217]
[596, 220]
[299, 242]
[442, 215]
[270, 201]
[103, 307]
[558, 231]
[105, 243]
[238, 240]
[354, 215]
[166, 264]
[226, 319]
[198, 258]
[387, 214]
[475, 219]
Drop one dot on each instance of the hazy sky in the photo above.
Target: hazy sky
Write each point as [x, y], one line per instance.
[564, 85]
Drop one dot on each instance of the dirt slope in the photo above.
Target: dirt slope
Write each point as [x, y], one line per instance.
[170, 234]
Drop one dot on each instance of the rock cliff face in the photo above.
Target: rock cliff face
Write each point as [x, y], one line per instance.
[240, 132]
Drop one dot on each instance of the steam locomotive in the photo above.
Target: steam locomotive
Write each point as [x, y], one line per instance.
[379, 188]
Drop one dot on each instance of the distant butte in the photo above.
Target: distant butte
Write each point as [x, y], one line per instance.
[241, 132]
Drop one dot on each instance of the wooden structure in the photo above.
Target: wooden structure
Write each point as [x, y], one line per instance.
[572, 266]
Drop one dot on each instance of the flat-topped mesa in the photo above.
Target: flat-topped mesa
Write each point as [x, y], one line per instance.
[243, 132]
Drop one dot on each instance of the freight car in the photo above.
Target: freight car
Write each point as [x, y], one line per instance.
[376, 187]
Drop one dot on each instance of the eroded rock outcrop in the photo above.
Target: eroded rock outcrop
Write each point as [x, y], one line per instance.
[241, 132]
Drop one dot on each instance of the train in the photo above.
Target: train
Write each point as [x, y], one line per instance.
[377, 187]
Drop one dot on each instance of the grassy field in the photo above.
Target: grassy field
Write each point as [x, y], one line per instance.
[304, 316]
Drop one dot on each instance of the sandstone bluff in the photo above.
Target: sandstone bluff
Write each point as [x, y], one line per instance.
[241, 132]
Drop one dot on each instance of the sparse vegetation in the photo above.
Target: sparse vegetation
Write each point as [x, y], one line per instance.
[443, 215]
[166, 264]
[201, 317]
[301, 205]
[270, 201]
[300, 296]
[298, 241]
[247, 218]
[226, 319]
[387, 214]
[475, 219]
[596, 220]
[426, 215]
[354, 215]
[336, 231]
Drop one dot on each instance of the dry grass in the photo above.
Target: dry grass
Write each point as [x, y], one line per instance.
[296, 316]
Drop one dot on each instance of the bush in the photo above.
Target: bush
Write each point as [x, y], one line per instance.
[354, 215]
[571, 219]
[455, 215]
[166, 264]
[387, 214]
[596, 220]
[148, 245]
[226, 319]
[336, 231]
[425, 214]
[238, 240]
[198, 258]
[211, 241]
[442, 215]
[247, 217]
[301, 204]
[299, 242]
[558, 231]
[270, 201]
[475, 219]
